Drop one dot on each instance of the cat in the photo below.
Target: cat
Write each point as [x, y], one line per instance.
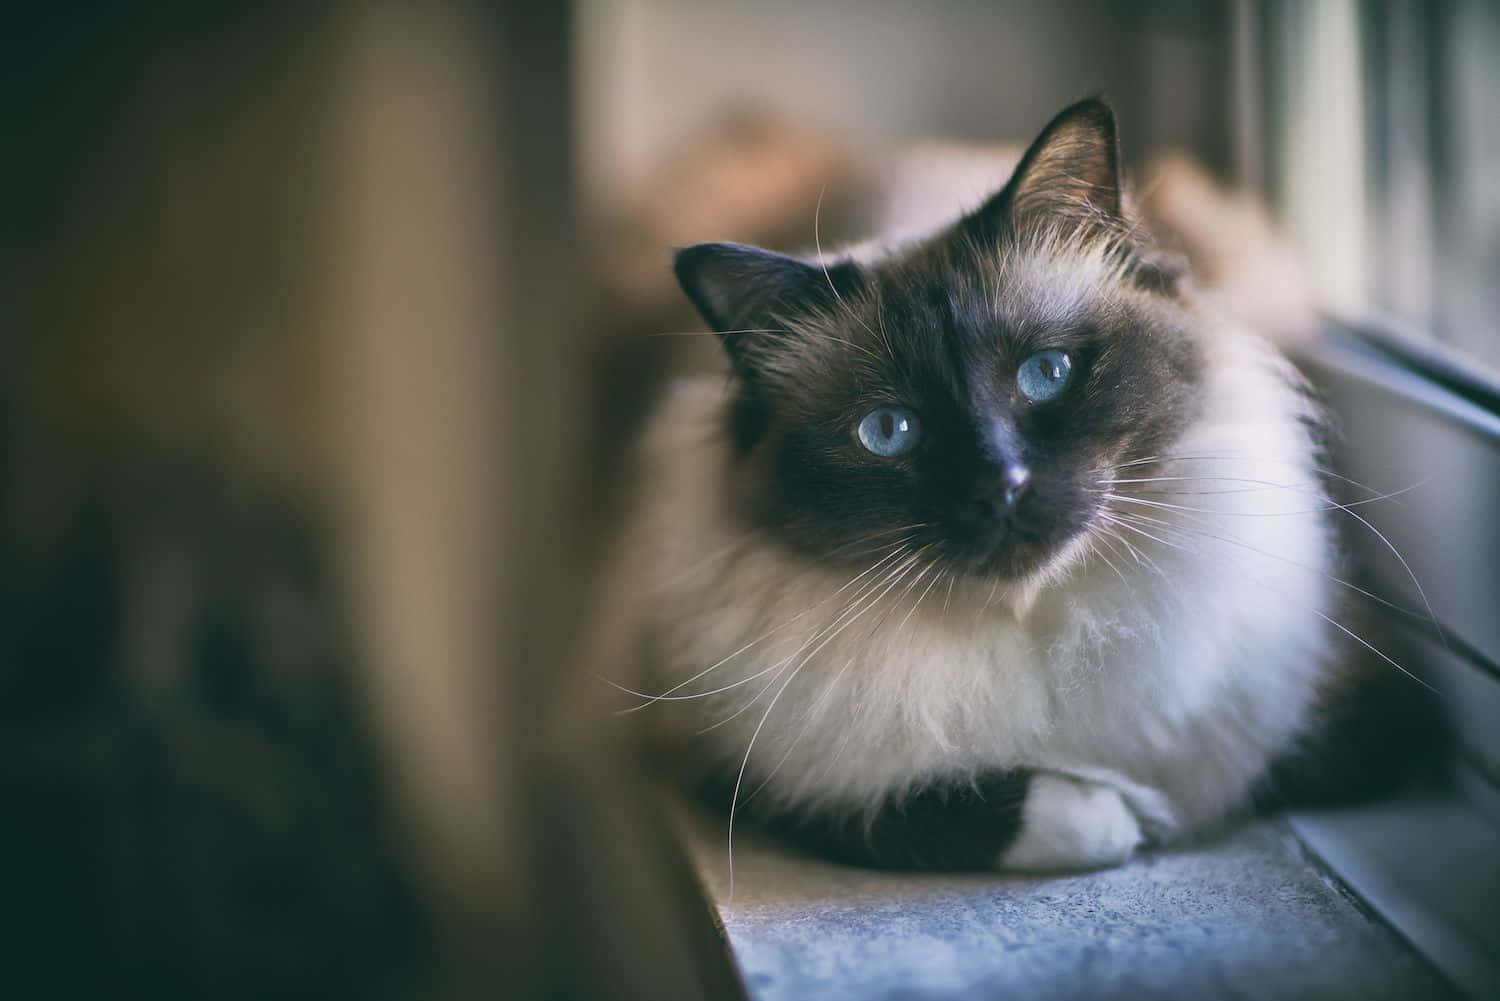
[998, 548]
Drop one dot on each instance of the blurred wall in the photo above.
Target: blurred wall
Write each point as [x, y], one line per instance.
[651, 72]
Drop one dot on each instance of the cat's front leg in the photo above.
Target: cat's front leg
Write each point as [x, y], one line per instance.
[1072, 823]
[1018, 819]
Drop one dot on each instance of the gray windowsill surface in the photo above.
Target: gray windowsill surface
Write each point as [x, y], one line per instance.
[1251, 915]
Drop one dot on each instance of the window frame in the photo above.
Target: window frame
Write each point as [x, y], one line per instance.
[1375, 357]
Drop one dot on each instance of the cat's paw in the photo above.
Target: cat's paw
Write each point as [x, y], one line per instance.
[1070, 823]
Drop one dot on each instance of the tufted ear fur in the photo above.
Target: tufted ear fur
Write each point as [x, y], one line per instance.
[1068, 179]
[746, 293]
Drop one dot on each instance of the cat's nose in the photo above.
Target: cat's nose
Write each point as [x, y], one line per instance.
[1014, 479]
[998, 494]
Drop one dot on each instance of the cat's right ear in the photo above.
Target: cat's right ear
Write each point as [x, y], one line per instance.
[747, 294]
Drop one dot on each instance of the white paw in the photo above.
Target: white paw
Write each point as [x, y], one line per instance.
[1070, 823]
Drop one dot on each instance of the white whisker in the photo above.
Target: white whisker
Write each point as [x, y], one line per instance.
[1320, 470]
[792, 675]
[823, 263]
[1106, 560]
[1185, 531]
[817, 634]
[759, 639]
[1370, 647]
[935, 578]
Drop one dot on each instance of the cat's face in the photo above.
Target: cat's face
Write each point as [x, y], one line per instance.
[964, 397]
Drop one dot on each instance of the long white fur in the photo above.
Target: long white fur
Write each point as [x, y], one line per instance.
[1169, 677]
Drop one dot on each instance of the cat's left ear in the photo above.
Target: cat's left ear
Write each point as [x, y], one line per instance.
[1068, 181]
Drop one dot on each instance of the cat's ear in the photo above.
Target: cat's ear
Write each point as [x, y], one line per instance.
[746, 293]
[1068, 181]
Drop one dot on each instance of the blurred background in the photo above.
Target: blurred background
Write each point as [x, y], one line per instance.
[323, 330]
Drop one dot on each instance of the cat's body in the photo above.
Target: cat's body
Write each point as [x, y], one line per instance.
[1052, 629]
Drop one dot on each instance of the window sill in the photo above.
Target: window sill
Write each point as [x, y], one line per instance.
[1251, 915]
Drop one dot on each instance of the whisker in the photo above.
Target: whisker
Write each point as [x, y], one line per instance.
[807, 718]
[883, 547]
[897, 573]
[850, 344]
[916, 604]
[823, 263]
[1140, 531]
[913, 527]
[764, 636]
[880, 321]
[793, 672]
[1140, 555]
[828, 691]
[1191, 531]
[1329, 505]
[650, 699]
[1107, 561]
[1347, 509]
[1146, 519]
[1409, 573]
[1337, 625]
[1370, 647]
[1319, 469]
[781, 666]
[1204, 493]
[994, 588]
[1205, 478]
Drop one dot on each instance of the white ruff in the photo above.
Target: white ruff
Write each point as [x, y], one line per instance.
[1174, 685]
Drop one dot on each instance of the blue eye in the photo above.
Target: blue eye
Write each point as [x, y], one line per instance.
[1044, 375]
[890, 431]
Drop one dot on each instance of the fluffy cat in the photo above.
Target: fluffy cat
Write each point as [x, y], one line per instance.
[997, 548]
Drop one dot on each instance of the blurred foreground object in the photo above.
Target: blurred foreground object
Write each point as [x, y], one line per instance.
[287, 551]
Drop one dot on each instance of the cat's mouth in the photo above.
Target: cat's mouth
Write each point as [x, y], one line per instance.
[1014, 548]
